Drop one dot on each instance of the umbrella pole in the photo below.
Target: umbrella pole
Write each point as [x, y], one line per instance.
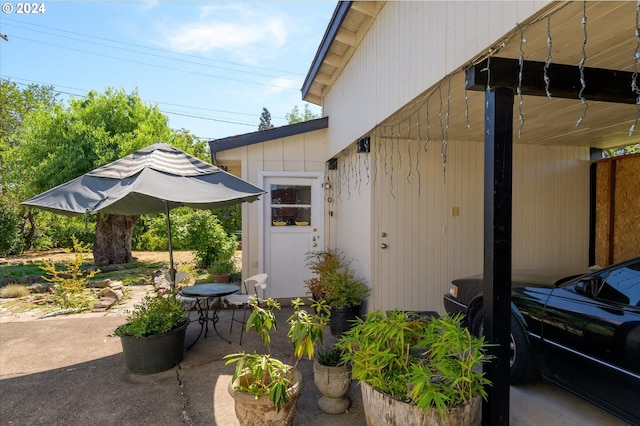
[172, 271]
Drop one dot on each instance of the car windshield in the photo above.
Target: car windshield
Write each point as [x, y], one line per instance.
[622, 285]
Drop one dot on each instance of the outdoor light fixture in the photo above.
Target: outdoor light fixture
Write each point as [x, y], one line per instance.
[364, 145]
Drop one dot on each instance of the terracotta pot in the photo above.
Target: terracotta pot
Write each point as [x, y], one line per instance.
[252, 411]
[333, 383]
[220, 278]
[382, 410]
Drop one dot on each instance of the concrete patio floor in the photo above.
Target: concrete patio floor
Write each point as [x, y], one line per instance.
[70, 371]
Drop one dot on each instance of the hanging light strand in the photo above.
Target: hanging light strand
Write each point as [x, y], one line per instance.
[547, 81]
[583, 83]
[409, 150]
[418, 148]
[519, 88]
[634, 78]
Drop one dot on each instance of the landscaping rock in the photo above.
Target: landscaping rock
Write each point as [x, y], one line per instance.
[112, 293]
[26, 279]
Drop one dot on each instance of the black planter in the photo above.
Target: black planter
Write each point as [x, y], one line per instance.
[153, 354]
[342, 319]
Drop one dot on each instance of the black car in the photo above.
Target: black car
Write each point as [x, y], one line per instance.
[578, 330]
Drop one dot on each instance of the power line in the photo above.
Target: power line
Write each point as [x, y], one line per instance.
[148, 54]
[182, 114]
[156, 66]
[152, 48]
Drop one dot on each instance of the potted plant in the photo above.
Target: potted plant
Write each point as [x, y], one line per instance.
[265, 389]
[153, 336]
[221, 271]
[333, 379]
[335, 282]
[416, 371]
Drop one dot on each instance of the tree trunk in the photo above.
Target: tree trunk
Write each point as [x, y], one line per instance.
[113, 239]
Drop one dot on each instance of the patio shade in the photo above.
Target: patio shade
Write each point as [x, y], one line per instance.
[154, 179]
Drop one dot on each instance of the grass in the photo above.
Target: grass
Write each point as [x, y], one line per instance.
[14, 291]
[131, 274]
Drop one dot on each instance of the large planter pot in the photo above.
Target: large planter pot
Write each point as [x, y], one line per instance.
[333, 383]
[221, 278]
[252, 411]
[342, 319]
[153, 354]
[382, 410]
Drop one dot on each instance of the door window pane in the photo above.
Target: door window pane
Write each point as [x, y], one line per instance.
[290, 205]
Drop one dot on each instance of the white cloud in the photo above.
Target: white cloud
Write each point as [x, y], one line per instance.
[243, 32]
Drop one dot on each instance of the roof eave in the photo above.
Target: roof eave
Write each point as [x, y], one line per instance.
[231, 142]
[329, 36]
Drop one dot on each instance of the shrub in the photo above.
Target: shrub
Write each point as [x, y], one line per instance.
[208, 239]
[14, 290]
[154, 315]
[10, 241]
[70, 283]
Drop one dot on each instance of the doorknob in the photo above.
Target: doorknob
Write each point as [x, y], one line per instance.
[314, 243]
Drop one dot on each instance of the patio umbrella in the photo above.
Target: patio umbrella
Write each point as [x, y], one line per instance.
[154, 179]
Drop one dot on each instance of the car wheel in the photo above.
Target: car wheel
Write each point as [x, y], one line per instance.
[521, 363]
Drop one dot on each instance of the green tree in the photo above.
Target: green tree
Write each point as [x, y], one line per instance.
[296, 117]
[17, 225]
[622, 150]
[61, 143]
[265, 120]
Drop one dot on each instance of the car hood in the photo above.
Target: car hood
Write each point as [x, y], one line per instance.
[548, 278]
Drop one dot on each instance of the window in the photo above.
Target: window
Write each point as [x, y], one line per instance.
[290, 205]
[622, 285]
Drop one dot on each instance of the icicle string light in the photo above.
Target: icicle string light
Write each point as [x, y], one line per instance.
[418, 151]
[519, 88]
[409, 150]
[583, 83]
[548, 61]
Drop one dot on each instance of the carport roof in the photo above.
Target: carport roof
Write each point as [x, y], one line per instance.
[609, 39]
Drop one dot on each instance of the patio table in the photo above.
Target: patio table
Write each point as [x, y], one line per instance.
[208, 302]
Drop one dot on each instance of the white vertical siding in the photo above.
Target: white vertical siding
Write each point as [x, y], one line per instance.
[428, 247]
[411, 46]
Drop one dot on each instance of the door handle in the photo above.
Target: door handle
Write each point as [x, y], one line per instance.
[314, 243]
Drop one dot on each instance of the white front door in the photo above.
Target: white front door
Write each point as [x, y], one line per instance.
[292, 226]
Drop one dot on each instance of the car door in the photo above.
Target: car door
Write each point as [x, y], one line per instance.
[591, 338]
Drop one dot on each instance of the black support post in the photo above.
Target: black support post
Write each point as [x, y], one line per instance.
[498, 170]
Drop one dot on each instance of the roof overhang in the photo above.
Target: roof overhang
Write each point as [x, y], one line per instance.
[223, 144]
[350, 22]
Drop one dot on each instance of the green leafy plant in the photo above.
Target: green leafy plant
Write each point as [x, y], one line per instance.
[446, 375]
[210, 243]
[70, 283]
[262, 374]
[225, 267]
[330, 356]
[430, 362]
[335, 280]
[155, 315]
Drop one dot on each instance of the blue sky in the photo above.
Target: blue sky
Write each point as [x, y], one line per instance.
[220, 61]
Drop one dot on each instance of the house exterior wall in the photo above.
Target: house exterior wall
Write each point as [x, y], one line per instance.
[433, 220]
[304, 152]
[409, 47]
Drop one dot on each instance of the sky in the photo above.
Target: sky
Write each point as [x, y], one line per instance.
[210, 66]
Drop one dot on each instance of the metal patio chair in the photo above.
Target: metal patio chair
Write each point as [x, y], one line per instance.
[242, 300]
